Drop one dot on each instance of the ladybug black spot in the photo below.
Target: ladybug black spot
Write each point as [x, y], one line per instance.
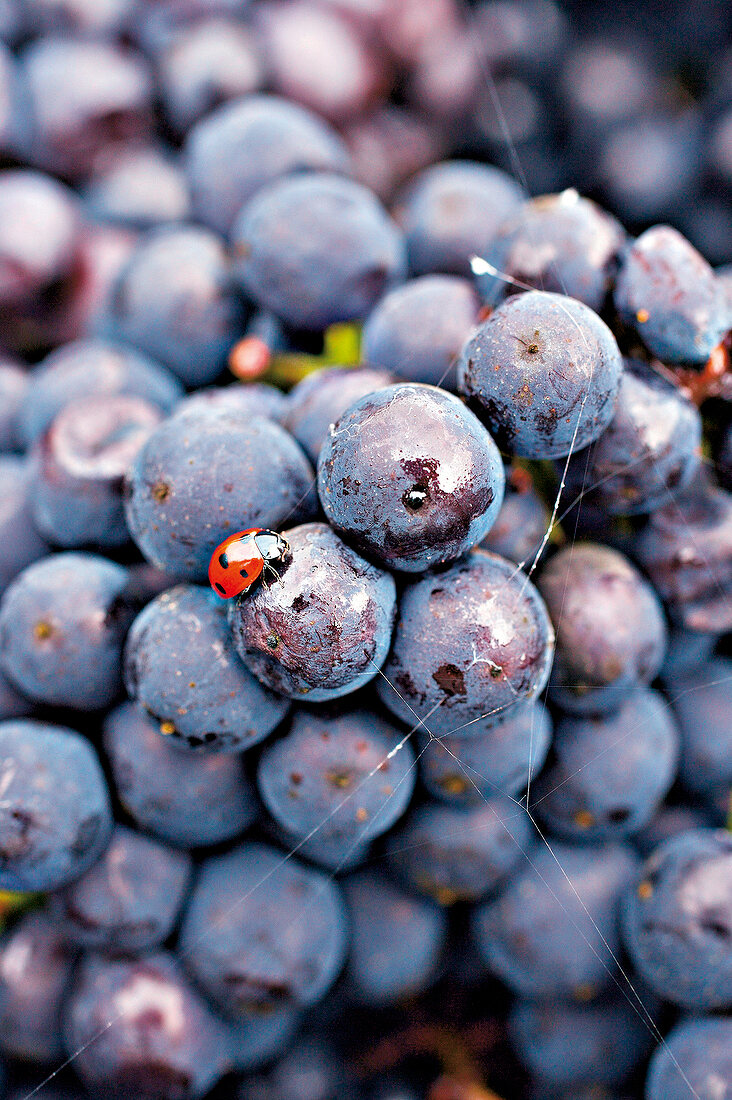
[220, 588]
[223, 561]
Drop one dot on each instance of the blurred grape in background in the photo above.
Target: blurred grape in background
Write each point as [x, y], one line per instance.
[442, 812]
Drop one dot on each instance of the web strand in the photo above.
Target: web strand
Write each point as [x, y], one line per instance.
[612, 966]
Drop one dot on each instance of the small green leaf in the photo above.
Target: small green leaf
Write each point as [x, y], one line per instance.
[288, 368]
[12, 904]
[341, 347]
[342, 344]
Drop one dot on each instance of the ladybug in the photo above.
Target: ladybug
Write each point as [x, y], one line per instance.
[238, 563]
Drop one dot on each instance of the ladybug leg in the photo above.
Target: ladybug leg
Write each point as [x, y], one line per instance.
[269, 570]
[278, 578]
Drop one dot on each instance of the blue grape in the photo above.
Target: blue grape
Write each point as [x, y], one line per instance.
[262, 932]
[180, 664]
[326, 629]
[410, 477]
[543, 374]
[336, 773]
[554, 930]
[317, 249]
[471, 643]
[677, 920]
[611, 634]
[671, 296]
[55, 815]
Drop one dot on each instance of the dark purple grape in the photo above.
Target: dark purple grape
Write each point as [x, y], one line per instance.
[471, 642]
[670, 295]
[91, 368]
[410, 477]
[63, 622]
[383, 919]
[39, 235]
[257, 1040]
[487, 758]
[566, 1045]
[253, 398]
[702, 698]
[605, 82]
[80, 99]
[140, 187]
[332, 854]
[451, 212]
[562, 243]
[130, 900]
[20, 542]
[345, 777]
[686, 650]
[543, 374]
[181, 666]
[311, 1070]
[316, 248]
[139, 1029]
[650, 450]
[185, 798]
[40, 256]
[263, 932]
[8, 97]
[447, 79]
[322, 397]
[36, 962]
[204, 66]
[649, 166]
[696, 1054]
[174, 299]
[390, 145]
[79, 465]
[249, 143]
[529, 35]
[686, 549]
[104, 251]
[677, 920]
[55, 817]
[418, 330]
[611, 632]
[456, 853]
[158, 22]
[321, 60]
[553, 931]
[207, 473]
[325, 630]
[12, 20]
[609, 774]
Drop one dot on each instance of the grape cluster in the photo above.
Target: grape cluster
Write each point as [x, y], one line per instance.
[437, 805]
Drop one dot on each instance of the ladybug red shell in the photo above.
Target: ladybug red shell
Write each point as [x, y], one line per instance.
[239, 561]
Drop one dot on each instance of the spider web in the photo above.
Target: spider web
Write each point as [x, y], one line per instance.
[600, 948]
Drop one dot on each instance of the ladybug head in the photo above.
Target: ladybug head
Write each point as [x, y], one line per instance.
[272, 547]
